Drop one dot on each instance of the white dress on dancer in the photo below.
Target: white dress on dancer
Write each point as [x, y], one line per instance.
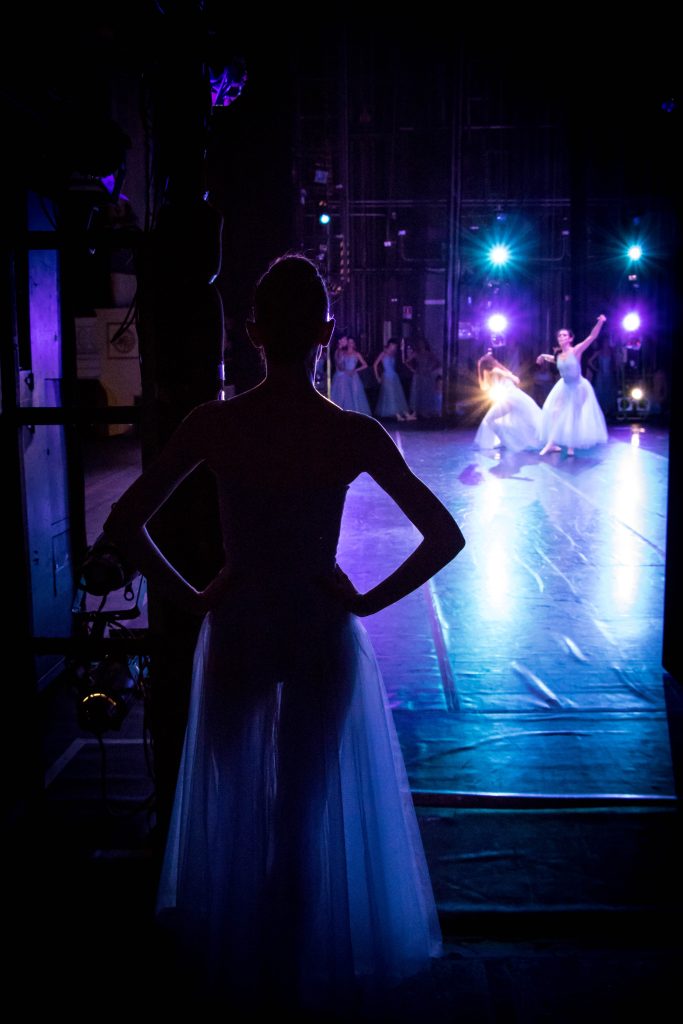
[294, 865]
[571, 413]
[513, 420]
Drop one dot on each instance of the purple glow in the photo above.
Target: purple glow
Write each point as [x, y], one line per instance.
[631, 322]
[497, 323]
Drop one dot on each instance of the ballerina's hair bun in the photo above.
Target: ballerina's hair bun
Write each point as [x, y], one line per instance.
[291, 303]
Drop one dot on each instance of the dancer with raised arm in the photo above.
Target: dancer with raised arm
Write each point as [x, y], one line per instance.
[294, 877]
[572, 417]
[513, 420]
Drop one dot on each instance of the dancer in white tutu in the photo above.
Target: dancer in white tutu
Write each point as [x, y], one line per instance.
[514, 419]
[572, 417]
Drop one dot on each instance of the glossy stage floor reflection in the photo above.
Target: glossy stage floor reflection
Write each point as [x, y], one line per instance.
[530, 667]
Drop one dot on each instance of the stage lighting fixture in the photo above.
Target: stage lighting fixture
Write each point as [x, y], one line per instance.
[104, 569]
[636, 394]
[635, 252]
[499, 255]
[631, 322]
[624, 407]
[323, 214]
[497, 323]
[111, 689]
[227, 77]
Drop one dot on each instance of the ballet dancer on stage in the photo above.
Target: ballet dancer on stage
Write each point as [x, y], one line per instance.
[571, 414]
[514, 420]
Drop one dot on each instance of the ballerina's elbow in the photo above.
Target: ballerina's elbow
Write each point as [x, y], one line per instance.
[450, 542]
[457, 543]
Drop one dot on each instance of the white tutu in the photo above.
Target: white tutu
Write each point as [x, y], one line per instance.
[571, 413]
[512, 422]
[294, 865]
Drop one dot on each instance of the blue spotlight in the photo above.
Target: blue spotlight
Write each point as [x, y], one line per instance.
[634, 253]
[324, 218]
[499, 255]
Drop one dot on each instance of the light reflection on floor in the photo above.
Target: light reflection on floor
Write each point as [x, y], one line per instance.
[532, 663]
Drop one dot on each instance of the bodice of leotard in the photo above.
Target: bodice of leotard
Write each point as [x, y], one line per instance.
[570, 368]
[348, 363]
[389, 365]
[290, 532]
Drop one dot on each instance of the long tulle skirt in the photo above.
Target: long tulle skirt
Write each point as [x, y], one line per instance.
[512, 422]
[347, 391]
[391, 400]
[294, 870]
[572, 416]
[424, 398]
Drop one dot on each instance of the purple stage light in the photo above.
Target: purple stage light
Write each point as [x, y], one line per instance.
[497, 323]
[631, 322]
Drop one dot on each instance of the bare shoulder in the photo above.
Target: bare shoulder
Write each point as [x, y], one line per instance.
[365, 429]
[376, 449]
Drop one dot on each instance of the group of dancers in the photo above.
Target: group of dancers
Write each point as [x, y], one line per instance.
[348, 392]
[571, 416]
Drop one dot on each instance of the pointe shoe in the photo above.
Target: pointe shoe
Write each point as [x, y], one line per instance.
[570, 452]
[549, 448]
[410, 416]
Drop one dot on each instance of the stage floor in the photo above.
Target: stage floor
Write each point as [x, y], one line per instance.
[530, 667]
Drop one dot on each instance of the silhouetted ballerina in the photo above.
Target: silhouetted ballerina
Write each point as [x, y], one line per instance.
[294, 877]
[513, 420]
[572, 417]
[347, 389]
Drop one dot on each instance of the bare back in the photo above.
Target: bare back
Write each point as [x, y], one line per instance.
[265, 439]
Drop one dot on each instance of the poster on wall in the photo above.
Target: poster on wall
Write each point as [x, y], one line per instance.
[122, 341]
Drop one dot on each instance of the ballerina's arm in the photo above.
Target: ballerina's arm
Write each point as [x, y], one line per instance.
[441, 541]
[126, 525]
[583, 345]
[503, 371]
[483, 376]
